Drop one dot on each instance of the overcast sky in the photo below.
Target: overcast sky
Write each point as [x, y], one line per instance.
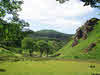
[49, 14]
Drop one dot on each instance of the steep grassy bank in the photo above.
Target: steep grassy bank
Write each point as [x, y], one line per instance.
[4, 52]
[78, 51]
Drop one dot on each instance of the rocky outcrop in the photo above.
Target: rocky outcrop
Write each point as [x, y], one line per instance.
[92, 45]
[88, 27]
[82, 32]
[74, 43]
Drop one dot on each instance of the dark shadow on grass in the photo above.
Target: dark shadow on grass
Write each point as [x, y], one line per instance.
[2, 70]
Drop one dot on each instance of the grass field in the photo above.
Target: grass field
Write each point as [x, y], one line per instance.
[51, 67]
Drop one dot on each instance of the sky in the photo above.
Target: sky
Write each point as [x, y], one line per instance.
[49, 14]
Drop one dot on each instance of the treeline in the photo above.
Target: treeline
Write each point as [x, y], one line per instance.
[54, 41]
[42, 46]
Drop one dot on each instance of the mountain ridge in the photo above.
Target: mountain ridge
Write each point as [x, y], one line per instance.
[50, 34]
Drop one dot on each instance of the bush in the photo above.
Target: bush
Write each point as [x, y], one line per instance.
[76, 57]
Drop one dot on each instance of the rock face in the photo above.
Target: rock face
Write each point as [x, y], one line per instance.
[92, 45]
[82, 32]
[74, 43]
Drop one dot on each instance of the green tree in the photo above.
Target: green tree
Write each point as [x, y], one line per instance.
[10, 7]
[41, 46]
[11, 31]
[27, 32]
[51, 48]
[44, 47]
[29, 44]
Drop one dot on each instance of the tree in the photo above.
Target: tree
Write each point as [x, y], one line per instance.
[41, 46]
[29, 44]
[27, 32]
[51, 48]
[93, 3]
[10, 7]
[11, 31]
[44, 47]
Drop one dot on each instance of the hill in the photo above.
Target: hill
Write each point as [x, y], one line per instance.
[50, 34]
[86, 42]
[59, 39]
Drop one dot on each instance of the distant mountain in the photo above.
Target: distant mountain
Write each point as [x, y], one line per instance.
[59, 39]
[50, 34]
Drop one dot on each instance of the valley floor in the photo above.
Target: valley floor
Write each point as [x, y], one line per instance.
[49, 67]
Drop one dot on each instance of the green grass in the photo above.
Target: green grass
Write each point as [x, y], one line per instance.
[45, 66]
[77, 52]
[51, 67]
[4, 52]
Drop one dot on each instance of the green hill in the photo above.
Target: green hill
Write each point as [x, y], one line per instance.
[59, 39]
[86, 42]
[50, 34]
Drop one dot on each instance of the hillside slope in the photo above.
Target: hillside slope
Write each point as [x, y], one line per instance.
[82, 46]
[50, 34]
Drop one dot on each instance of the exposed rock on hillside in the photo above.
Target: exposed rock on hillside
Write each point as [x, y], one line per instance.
[92, 45]
[82, 32]
[75, 43]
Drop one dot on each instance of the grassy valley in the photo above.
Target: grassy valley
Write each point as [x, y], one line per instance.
[49, 52]
[70, 58]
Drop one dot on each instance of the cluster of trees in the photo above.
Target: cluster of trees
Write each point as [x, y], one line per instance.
[41, 46]
[55, 39]
[11, 27]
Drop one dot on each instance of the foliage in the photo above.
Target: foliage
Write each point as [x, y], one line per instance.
[92, 3]
[11, 29]
[51, 34]
[5, 53]
[27, 32]
[10, 7]
[29, 44]
[58, 39]
[43, 47]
